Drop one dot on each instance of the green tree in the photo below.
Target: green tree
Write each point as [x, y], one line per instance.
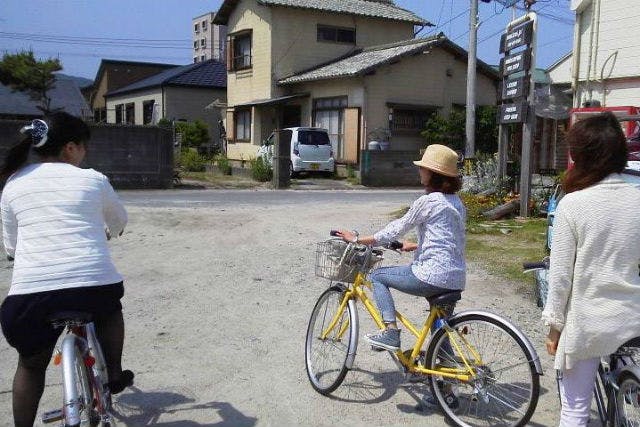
[193, 133]
[23, 72]
[450, 131]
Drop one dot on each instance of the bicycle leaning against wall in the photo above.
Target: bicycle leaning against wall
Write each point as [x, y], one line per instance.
[479, 357]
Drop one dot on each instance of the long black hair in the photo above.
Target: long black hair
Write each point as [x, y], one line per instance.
[62, 129]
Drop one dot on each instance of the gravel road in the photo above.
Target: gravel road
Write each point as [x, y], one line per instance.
[217, 302]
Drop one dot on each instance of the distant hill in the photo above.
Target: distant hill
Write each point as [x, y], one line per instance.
[82, 82]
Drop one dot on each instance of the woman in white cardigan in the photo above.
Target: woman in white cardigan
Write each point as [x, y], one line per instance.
[594, 279]
[54, 216]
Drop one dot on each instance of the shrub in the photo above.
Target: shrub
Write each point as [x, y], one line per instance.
[477, 204]
[223, 164]
[193, 133]
[191, 161]
[260, 170]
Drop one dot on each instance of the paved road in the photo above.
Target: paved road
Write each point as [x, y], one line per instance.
[219, 287]
[217, 198]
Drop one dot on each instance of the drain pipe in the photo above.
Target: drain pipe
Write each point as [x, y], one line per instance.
[590, 59]
[576, 59]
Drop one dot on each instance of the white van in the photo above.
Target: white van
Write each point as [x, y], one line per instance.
[311, 150]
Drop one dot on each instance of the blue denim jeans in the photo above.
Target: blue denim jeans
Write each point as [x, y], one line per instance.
[401, 278]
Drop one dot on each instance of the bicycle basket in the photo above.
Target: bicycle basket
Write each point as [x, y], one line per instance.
[340, 261]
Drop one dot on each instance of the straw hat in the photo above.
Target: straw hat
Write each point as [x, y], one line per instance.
[439, 159]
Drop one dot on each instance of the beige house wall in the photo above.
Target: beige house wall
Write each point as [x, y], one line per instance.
[179, 103]
[138, 98]
[255, 83]
[98, 101]
[434, 79]
[296, 48]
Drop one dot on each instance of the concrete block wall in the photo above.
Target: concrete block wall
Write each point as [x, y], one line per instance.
[389, 168]
[133, 157]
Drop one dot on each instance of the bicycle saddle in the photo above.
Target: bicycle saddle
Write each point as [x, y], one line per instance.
[78, 317]
[444, 298]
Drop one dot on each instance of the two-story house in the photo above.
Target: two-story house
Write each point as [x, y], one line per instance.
[352, 67]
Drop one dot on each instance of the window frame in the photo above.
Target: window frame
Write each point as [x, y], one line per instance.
[119, 109]
[336, 104]
[409, 114]
[196, 27]
[233, 41]
[145, 106]
[130, 106]
[336, 30]
[246, 124]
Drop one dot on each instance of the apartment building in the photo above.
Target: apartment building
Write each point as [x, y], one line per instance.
[208, 38]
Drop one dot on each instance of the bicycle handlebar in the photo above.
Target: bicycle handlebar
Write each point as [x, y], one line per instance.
[393, 245]
[534, 265]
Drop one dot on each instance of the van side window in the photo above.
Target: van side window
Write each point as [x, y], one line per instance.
[306, 137]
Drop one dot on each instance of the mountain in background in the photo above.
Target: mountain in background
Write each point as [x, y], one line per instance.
[82, 82]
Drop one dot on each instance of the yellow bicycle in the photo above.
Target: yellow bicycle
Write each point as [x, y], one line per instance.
[481, 359]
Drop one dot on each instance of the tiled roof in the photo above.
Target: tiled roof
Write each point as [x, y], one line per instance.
[373, 57]
[362, 61]
[374, 8]
[64, 95]
[209, 73]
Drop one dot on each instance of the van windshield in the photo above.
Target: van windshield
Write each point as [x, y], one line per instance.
[313, 137]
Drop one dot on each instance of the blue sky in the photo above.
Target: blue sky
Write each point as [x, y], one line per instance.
[81, 32]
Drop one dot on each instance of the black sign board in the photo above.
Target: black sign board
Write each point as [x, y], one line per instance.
[515, 63]
[513, 113]
[515, 88]
[516, 37]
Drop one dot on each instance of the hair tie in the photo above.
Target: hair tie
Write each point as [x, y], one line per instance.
[38, 130]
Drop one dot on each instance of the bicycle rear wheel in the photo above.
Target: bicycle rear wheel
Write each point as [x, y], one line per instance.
[327, 351]
[627, 402]
[505, 385]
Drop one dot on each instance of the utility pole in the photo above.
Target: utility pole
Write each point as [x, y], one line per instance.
[470, 123]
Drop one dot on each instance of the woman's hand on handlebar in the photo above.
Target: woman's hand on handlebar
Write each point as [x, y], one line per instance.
[353, 237]
[408, 246]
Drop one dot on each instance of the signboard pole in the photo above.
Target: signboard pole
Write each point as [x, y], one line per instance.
[528, 132]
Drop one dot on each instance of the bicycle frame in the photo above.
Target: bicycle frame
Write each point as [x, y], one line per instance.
[357, 292]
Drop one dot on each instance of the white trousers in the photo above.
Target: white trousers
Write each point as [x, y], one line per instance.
[576, 392]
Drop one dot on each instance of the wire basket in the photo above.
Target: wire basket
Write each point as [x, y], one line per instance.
[337, 260]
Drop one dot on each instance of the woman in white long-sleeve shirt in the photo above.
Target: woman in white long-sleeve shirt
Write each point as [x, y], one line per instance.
[594, 279]
[438, 265]
[54, 216]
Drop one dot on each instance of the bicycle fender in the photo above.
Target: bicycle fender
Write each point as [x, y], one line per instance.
[72, 399]
[634, 369]
[353, 340]
[518, 332]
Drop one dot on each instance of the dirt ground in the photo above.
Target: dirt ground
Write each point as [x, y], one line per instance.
[216, 305]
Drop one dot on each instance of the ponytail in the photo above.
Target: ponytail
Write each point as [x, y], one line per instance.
[16, 158]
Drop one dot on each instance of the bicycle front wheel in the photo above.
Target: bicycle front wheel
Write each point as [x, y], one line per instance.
[331, 340]
[627, 401]
[504, 385]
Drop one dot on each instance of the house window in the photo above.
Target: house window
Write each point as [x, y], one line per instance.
[196, 28]
[203, 58]
[130, 113]
[100, 115]
[119, 113]
[409, 121]
[203, 42]
[195, 44]
[195, 59]
[331, 34]
[204, 25]
[147, 112]
[243, 125]
[239, 51]
[328, 113]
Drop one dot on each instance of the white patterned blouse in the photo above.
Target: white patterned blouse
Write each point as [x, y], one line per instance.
[439, 220]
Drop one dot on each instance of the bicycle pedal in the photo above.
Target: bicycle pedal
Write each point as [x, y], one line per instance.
[52, 416]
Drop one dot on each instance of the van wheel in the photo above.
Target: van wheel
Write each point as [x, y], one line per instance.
[292, 173]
